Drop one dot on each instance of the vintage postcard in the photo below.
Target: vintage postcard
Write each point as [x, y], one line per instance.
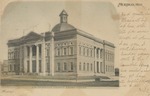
[64, 48]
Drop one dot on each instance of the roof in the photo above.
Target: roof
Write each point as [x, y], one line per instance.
[63, 13]
[62, 27]
[32, 36]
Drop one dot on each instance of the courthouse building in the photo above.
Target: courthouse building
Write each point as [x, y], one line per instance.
[64, 50]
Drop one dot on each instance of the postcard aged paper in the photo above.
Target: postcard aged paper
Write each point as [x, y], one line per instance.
[79, 48]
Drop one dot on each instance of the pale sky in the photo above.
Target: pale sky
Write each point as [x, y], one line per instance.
[95, 18]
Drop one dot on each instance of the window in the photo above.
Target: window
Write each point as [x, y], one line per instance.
[101, 67]
[65, 66]
[83, 51]
[91, 67]
[71, 50]
[10, 68]
[106, 55]
[64, 18]
[40, 50]
[14, 54]
[8, 55]
[87, 66]
[48, 65]
[71, 66]
[84, 67]
[87, 52]
[91, 52]
[58, 66]
[80, 50]
[28, 66]
[28, 51]
[58, 52]
[101, 53]
[97, 53]
[80, 66]
[64, 51]
[47, 53]
[34, 50]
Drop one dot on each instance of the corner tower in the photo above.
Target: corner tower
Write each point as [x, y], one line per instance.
[63, 17]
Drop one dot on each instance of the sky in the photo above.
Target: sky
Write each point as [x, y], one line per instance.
[20, 18]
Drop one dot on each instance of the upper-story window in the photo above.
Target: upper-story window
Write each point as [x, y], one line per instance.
[84, 67]
[87, 52]
[91, 67]
[101, 53]
[64, 51]
[80, 50]
[80, 66]
[91, 52]
[106, 55]
[84, 51]
[71, 50]
[58, 52]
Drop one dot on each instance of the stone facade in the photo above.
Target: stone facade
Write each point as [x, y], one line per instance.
[65, 50]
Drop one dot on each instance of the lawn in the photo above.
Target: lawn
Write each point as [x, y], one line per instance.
[8, 82]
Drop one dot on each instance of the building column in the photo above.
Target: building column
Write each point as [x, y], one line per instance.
[30, 70]
[20, 58]
[99, 52]
[52, 54]
[95, 49]
[43, 58]
[25, 56]
[103, 59]
[37, 58]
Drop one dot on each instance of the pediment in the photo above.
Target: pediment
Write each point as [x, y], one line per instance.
[32, 36]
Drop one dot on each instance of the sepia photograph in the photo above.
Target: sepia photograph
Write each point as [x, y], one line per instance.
[59, 44]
